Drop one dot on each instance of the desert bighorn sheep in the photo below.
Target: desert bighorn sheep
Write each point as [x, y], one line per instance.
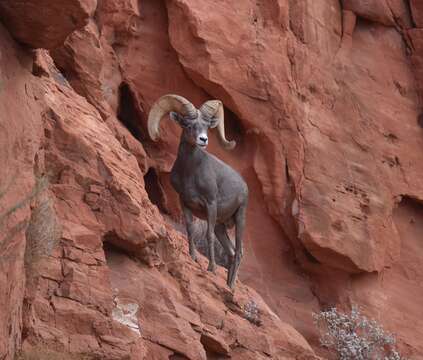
[207, 187]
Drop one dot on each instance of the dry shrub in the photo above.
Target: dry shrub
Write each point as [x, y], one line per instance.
[43, 231]
[6, 242]
[354, 337]
[252, 312]
[40, 185]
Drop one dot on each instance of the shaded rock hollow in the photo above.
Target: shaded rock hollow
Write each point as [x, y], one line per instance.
[323, 99]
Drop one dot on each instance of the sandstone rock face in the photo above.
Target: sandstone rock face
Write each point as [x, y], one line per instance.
[96, 271]
[45, 24]
[20, 137]
[323, 99]
[374, 10]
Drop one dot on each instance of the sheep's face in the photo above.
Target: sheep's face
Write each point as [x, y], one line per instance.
[194, 130]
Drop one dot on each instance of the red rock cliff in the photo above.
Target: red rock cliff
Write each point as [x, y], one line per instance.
[324, 100]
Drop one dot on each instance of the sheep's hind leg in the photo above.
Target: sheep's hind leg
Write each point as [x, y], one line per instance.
[211, 223]
[225, 241]
[189, 222]
[239, 231]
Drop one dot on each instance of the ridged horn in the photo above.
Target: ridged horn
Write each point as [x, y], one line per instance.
[165, 105]
[214, 109]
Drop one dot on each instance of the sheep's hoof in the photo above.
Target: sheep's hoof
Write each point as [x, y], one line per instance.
[232, 276]
[212, 268]
[230, 282]
[193, 256]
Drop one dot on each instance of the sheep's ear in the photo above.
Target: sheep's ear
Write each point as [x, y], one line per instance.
[213, 122]
[174, 116]
[178, 118]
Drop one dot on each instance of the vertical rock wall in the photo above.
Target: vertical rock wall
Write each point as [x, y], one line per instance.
[323, 98]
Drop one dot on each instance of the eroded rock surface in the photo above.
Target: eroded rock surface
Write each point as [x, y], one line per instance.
[142, 297]
[324, 101]
[45, 24]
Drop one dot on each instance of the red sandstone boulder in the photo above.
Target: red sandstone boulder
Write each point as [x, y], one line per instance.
[373, 10]
[46, 23]
[91, 68]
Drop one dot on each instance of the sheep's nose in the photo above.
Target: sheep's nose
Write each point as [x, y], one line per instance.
[203, 139]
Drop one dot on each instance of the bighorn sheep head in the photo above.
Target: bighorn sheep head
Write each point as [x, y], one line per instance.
[194, 123]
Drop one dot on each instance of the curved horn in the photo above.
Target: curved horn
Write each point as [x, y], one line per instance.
[163, 106]
[214, 109]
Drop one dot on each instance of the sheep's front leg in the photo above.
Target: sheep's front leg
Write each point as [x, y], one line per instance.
[211, 222]
[189, 222]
